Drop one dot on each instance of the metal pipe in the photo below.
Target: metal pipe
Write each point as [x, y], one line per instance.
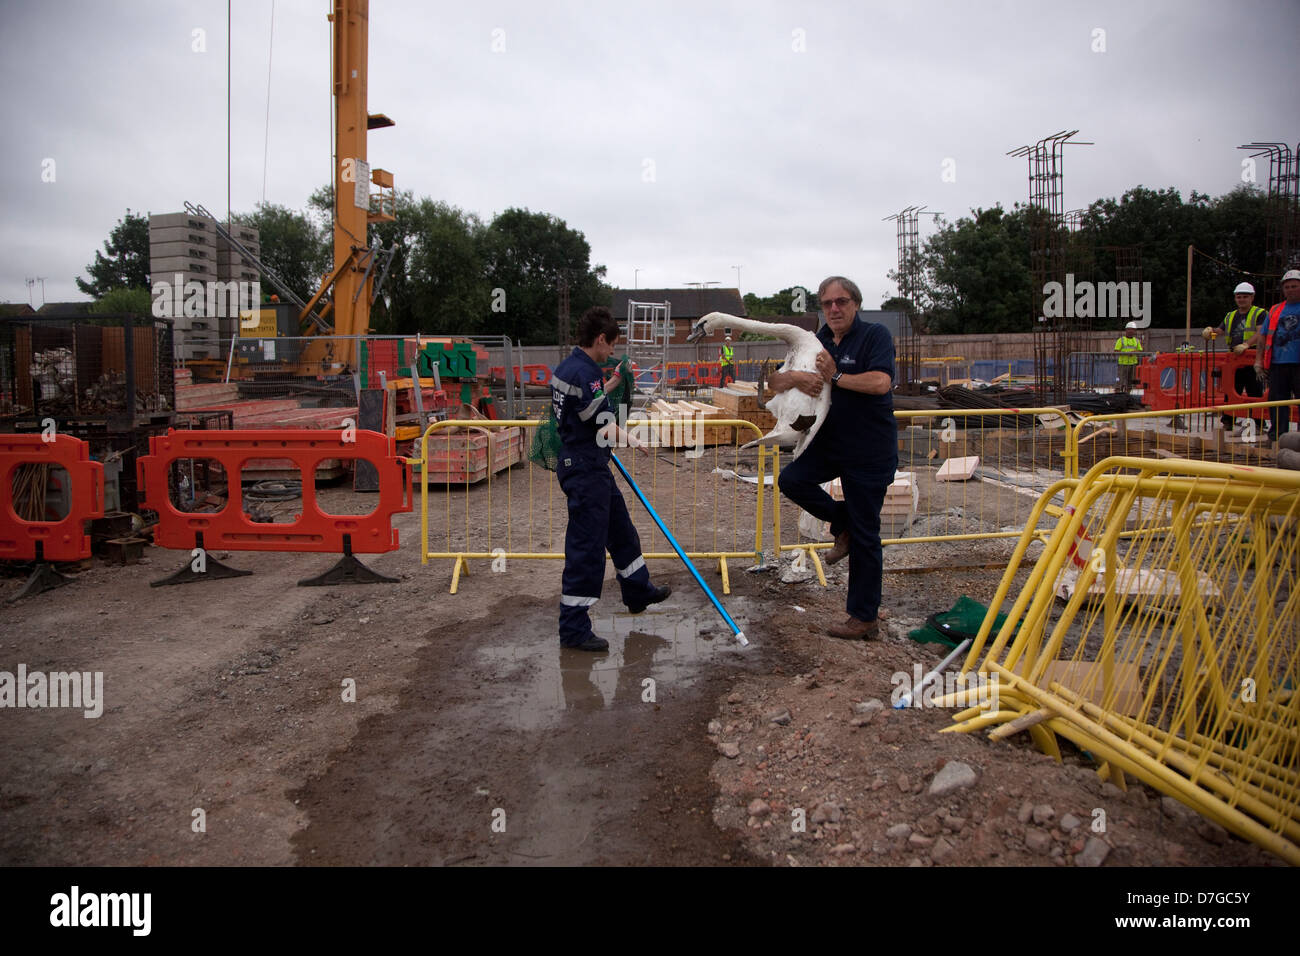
[708, 592]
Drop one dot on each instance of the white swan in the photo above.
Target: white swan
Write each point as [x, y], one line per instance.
[798, 415]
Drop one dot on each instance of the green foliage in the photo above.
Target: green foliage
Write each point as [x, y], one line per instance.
[448, 268]
[437, 284]
[127, 264]
[782, 303]
[292, 244]
[976, 275]
[116, 301]
[524, 254]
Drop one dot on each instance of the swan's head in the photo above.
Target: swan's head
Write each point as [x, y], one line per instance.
[709, 323]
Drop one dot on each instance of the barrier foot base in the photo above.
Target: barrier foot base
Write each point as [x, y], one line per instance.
[43, 578]
[348, 570]
[212, 568]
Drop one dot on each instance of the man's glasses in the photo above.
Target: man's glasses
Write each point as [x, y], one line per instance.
[842, 301]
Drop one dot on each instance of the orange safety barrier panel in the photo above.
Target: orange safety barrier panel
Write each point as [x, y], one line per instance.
[708, 373]
[65, 539]
[1173, 380]
[528, 374]
[314, 530]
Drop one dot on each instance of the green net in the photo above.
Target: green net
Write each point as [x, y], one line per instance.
[545, 450]
[953, 626]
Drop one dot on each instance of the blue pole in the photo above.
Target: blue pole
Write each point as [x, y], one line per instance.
[708, 592]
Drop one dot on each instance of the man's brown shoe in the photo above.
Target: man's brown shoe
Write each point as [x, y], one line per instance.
[854, 630]
[839, 550]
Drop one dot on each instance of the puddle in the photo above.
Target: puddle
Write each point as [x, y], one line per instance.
[663, 644]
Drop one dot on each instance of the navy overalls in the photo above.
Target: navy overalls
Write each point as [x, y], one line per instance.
[598, 517]
[858, 443]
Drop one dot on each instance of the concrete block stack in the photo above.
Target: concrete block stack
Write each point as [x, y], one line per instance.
[184, 249]
[233, 266]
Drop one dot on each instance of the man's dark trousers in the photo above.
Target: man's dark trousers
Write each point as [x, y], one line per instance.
[598, 521]
[1283, 384]
[864, 484]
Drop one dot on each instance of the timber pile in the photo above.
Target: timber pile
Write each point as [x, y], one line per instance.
[689, 426]
[466, 455]
[259, 412]
[740, 400]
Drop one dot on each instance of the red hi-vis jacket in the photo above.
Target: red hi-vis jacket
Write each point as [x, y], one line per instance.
[1274, 317]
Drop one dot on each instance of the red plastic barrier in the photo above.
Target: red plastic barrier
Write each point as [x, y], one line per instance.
[1174, 380]
[708, 373]
[65, 539]
[314, 530]
[531, 374]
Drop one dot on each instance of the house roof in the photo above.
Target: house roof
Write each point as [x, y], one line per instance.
[65, 308]
[686, 303]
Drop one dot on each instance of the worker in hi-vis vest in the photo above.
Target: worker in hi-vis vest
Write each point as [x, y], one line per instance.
[1128, 345]
[1239, 326]
[1277, 353]
[727, 359]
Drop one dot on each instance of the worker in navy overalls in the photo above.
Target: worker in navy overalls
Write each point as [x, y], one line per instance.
[598, 517]
[858, 443]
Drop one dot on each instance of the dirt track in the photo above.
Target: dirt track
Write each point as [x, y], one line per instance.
[227, 697]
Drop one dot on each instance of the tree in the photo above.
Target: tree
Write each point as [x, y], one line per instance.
[975, 274]
[781, 303]
[292, 244]
[127, 264]
[117, 301]
[446, 289]
[525, 254]
[436, 281]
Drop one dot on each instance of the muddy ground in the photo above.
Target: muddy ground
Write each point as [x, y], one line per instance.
[229, 734]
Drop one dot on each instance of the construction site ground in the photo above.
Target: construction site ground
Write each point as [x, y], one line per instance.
[474, 739]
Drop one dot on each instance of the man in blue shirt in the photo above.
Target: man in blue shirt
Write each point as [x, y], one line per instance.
[1277, 349]
[598, 518]
[858, 443]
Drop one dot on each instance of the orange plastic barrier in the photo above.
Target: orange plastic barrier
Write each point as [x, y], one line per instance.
[1173, 380]
[314, 530]
[708, 373]
[530, 374]
[65, 539]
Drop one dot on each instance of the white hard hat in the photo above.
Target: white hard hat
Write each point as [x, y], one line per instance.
[1131, 325]
[1292, 274]
[1245, 287]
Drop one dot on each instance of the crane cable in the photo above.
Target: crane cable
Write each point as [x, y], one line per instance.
[266, 135]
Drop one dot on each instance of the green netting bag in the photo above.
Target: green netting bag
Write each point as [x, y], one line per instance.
[545, 450]
[953, 626]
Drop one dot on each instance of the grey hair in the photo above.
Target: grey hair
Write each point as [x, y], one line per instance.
[849, 285]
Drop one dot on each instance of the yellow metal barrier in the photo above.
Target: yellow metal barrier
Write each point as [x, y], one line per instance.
[1160, 632]
[487, 517]
[1021, 452]
[1188, 433]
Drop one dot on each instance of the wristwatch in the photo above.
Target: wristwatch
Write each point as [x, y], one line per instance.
[836, 377]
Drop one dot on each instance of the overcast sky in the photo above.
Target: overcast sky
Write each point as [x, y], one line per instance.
[683, 139]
